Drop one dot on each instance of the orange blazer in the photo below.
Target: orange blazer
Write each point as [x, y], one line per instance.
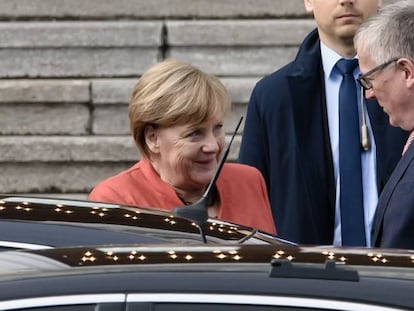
[241, 188]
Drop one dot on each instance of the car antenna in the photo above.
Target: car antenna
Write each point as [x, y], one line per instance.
[198, 211]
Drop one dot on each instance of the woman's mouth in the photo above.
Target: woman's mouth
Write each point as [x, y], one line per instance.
[207, 164]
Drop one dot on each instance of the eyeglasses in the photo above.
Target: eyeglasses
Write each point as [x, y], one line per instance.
[364, 79]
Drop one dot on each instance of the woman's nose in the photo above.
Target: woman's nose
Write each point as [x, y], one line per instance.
[211, 143]
[344, 2]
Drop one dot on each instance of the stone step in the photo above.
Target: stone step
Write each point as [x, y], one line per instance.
[105, 9]
[67, 149]
[126, 48]
[144, 9]
[132, 62]
[75, 62]
[44, 91]
[234, 33]
[257, 61]
[95, 91]
[94, 34]
[55, 177]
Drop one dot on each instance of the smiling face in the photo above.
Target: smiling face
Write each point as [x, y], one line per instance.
[176, 115]
[186, 156]
[338, 20]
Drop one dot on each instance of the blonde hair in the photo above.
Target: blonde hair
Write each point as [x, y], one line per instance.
[174, 93]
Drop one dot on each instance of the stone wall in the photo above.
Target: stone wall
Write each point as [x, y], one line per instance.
[67, 68]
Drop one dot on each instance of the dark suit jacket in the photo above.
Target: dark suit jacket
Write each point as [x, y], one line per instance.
[393, 224]
[286, 137]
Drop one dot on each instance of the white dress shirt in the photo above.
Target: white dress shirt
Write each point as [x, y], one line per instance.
[333, 79]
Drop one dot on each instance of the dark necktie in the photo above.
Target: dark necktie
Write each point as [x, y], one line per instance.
[351, 197]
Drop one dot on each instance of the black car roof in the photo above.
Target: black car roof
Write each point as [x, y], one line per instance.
[117, 256]
[46, 222]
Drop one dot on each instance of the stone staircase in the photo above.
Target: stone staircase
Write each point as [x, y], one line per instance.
[67, 68]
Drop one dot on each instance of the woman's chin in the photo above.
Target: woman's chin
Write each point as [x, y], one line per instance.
[202, 179]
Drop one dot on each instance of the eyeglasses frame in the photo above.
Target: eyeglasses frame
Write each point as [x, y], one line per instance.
[363, 79]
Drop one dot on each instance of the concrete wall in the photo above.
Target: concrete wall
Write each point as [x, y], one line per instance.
[67, 67]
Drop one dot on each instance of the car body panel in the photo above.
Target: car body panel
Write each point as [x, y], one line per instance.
[243, 270]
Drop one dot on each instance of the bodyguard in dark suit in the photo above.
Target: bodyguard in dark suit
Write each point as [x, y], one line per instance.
[385, 47]
[287, 135]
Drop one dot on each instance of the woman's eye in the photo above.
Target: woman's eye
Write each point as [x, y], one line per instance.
[194, 133]
[218, 127]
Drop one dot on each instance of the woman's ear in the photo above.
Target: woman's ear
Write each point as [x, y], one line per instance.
[151, 138]
[308, 5]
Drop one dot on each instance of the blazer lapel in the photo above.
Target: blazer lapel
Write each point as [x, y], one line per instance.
[305, 80]
[312, 133]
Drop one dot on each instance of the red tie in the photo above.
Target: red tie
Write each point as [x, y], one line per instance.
[408, 142]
